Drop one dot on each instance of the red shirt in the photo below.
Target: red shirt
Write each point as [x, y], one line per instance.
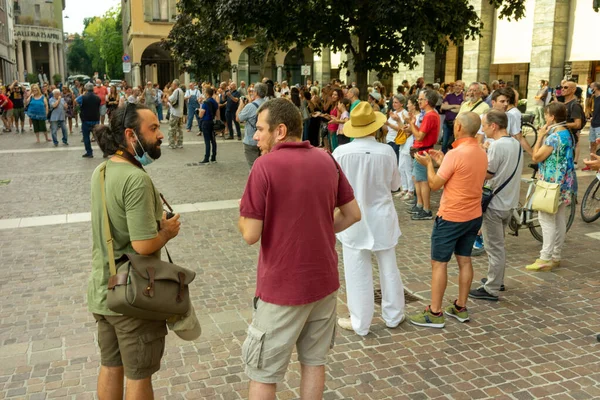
[101, 91]
[8, 105]
[294, 190]
[431, 127]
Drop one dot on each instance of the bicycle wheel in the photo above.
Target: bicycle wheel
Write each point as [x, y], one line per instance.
[534, 225]
[571, 210]
[590, 205]
[536, 229]
[529, 133]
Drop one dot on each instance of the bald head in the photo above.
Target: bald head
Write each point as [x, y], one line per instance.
[468, 124]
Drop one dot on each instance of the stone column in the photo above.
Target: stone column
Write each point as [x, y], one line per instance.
[279, 73]
[61, 62]
[28, 60]
[186, 79]
[322, 68]
[429, 65]
[135, 73]
[20, 62]
[548, 46]
[477, 55]
[52, 61]
[234, 73]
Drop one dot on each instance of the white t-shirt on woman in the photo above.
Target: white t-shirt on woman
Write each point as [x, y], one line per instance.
[391, 133]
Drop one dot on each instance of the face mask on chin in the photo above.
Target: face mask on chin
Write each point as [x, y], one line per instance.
[145, 159]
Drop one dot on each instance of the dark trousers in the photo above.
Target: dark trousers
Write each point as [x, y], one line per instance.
[86, 129]
[230, 117]
[208, 132]
[396, 150]
[448, 136]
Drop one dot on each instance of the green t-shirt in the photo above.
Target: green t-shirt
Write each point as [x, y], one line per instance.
[134, 210]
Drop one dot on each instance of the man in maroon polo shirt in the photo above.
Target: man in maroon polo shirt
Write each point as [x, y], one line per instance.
[295, 200]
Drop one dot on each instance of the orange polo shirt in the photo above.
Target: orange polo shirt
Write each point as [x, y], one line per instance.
[464, 169]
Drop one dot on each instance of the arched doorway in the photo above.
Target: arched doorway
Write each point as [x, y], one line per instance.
[157, 65]
[293, 62]
[249, 67]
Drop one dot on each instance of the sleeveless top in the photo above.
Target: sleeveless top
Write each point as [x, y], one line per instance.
[36, 109]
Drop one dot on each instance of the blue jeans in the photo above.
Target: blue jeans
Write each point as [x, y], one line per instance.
[86, 129]
[54, 125]
[396, 150]
[190, 117]
[208, 133]
[159, 112]
[230, 117]
[448, 137]
[305, 125]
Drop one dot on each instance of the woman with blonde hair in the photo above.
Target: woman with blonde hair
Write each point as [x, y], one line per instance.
[37, 110]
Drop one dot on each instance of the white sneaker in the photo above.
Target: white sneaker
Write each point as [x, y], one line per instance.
[408, 196]
[399, 323]
[401, 194]
[345, 323]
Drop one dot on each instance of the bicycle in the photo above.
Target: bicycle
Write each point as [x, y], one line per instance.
[590, 205]
[528, 130]
[525, 217]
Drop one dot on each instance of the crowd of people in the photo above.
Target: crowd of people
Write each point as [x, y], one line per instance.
[376, 150]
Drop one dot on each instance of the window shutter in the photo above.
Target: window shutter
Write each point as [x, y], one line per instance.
[148, 10]
[172, 10]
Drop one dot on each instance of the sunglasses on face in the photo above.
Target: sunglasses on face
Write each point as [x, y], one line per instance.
[565, 87]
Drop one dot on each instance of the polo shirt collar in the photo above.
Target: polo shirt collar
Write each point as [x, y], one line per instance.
[466, 140]
[291, 145]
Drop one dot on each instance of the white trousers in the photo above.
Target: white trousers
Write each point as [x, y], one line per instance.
[554, 229]
[359, 288]
[405, 167]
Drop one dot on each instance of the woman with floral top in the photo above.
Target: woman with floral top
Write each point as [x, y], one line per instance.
[554, 153]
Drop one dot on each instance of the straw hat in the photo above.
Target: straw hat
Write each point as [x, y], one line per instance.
[363, 121]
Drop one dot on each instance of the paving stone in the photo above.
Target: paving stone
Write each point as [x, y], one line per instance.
[499, 354]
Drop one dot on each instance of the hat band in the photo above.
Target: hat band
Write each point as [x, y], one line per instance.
[360, 126]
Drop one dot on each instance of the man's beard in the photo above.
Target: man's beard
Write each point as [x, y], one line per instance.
[153, 149]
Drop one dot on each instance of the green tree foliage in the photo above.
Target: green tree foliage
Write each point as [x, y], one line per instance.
[77, 57]
[100, 47]
[197, 44]
[380, 35]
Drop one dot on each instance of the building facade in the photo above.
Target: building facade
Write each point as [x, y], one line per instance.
[39, 39]
[7, 48]
[553, 40]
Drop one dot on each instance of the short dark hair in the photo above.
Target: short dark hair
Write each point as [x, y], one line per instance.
[558, 111]
[112, 137]
[210, 92]
[432, 97]
[497, 117]
[413, 99]
[507, 92]
[283, 111]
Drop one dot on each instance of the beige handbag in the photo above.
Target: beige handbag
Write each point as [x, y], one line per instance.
[546, 197]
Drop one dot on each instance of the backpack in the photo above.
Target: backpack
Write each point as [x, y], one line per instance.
[570, 112]
[253, 125]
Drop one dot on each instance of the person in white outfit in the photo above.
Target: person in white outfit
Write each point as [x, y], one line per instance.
[372, 170]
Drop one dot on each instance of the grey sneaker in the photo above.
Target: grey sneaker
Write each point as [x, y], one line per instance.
[422, 215]
[414, 209]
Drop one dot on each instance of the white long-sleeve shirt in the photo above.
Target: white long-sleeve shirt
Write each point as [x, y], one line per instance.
[372, 170]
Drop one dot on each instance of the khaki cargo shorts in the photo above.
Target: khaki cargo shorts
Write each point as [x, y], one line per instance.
[275, 330]
[135, 344]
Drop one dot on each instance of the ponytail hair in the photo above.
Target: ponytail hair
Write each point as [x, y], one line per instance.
[111, 137]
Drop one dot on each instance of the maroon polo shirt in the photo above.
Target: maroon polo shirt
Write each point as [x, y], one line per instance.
[294, 190]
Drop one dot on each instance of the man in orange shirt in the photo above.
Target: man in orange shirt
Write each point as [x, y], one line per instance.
[462, 172]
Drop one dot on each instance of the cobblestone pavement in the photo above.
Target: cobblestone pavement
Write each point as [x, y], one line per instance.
[537, 342]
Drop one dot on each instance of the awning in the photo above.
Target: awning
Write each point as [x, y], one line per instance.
[583, 32]
[512, 39]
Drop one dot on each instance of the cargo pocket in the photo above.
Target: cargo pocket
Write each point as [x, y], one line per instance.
[253, 347]
[151, 348]
[333, 337]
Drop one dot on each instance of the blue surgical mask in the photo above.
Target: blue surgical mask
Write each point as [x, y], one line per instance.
[144, 159]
